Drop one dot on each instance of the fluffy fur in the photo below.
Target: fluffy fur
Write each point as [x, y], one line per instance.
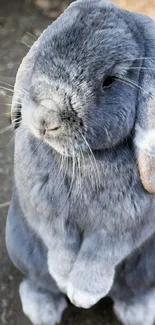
[79, 209]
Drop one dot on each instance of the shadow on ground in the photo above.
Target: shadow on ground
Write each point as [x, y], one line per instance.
[17, 20]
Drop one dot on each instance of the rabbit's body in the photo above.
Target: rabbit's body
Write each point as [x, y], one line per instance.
[93, 189]
[51, 194]
[120, 219]
[76, 184]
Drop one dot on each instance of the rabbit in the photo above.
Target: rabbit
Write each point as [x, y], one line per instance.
[81, 222]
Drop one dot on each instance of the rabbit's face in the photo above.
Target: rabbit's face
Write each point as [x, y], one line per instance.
[80, 96]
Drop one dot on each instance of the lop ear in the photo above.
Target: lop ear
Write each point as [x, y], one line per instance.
[144, 139]
[22, 82]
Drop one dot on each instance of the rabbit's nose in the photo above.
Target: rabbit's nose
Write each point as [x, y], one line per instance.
[50, 125]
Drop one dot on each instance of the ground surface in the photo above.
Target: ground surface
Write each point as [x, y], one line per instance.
[17, 18]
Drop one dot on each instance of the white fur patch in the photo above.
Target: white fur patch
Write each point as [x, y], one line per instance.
[56, 270]
[145, 140]
[82, 299]
[60, 281]
[39, 307]
[142, 312]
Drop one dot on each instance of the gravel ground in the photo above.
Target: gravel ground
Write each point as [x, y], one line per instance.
[18, 18]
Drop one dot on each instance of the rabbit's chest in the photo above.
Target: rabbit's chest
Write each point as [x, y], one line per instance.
[101, 194]
[90, 194]
[115, 197]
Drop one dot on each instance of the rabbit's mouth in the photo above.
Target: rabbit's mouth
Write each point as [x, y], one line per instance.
[65, 144]
[66, 141]
[66, 147]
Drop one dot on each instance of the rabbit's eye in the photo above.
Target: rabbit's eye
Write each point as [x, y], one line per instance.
[108, 81]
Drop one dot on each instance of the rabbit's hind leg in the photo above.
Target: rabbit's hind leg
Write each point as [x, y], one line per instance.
[140, 311]
[133, 290]
[40, 306]
[41, 299]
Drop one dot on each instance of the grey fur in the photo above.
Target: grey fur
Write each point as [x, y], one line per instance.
[78, 207]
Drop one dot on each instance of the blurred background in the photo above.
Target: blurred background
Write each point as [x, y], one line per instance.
[21, 22]
[144, 6]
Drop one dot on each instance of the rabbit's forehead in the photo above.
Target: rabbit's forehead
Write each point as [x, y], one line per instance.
[82, 46]
[86, 39]
[85, 65]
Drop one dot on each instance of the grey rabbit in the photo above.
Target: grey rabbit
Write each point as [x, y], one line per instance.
[81, 222]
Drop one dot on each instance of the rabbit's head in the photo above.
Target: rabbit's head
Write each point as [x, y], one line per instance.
[87, 83]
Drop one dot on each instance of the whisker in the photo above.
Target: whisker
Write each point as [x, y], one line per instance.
[139, 58]
[15, 102]
[61, 166]
[6, 77]
[7, 89]
[6, 114]
[82, 161]
[6, 129]
[97, 173]
[22, 42]
[71, 184]
[79, 170]
[7, 84]
[6, 95]
[32, 35]
[16, 120]
[139, 68]
[5, 104]
[130, 83]
[12, 90]
[93, 174]
[126, 83]
[4, 205]
[24, 92]
[10, 142]
[65, 172]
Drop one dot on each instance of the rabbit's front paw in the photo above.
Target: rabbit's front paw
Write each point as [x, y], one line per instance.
[60, 280]
[41, 306]
[85, 293]
[81, 298]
